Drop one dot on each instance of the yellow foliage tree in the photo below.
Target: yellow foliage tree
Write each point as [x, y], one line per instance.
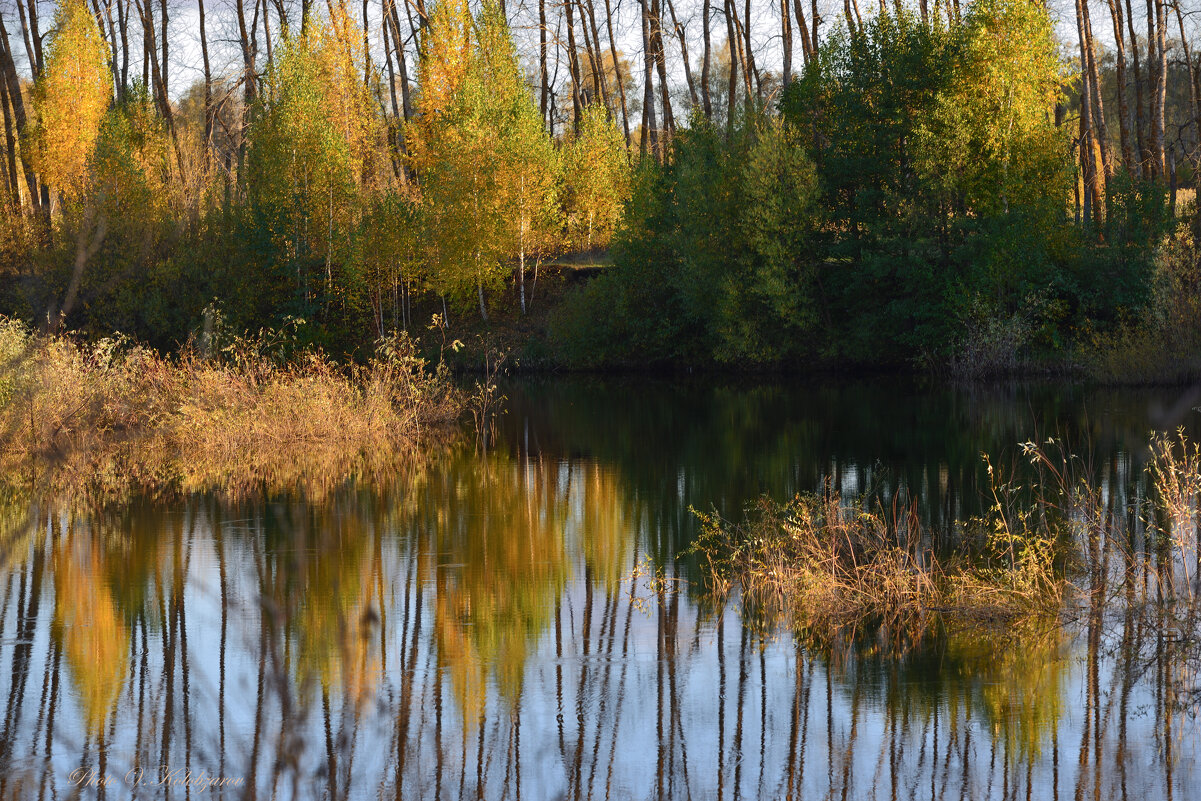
[597, 180]
[71, 98]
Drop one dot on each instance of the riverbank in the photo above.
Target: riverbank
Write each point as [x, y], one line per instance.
[111, 415]
[1160, 348]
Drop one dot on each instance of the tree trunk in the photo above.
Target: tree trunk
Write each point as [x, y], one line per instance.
[395, 134]
[671, 8]
[807, 47]
[1115, 13]
[123, 24]
[751, 70]
[621, 88]
[1101, 127]
[10, 149]
[406, 102]
[543, 75]
[33, 37]
[649, 135]
[208, 88]
[1194, 81]
[573, 66]
[737, 50]
[1087, 160]
[606, 95]
[669, 123]
[1161, 74]
[706, 101]
[786, 43]
[8, 72]
[732, 47]
[1140, 123]
[1155, 68]
[594, 92]
[166, 85]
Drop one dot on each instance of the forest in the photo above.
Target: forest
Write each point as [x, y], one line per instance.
[978, 188]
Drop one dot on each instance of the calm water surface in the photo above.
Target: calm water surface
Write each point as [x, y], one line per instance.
[516, 623]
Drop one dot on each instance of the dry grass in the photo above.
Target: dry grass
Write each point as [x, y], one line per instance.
[829, 570]
[110, 417]
[1048, 548]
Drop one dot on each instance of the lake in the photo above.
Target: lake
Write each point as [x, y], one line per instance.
[513, 618]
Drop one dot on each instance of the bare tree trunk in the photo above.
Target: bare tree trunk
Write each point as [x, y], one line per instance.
[395, 132]
[808, 50]
[33, 37]
[1140, 123]
[267, 30]
[786, 43]
[594, 93]
[1087, 160]
[669, 123]
[671, 8]
[1194, 81]
[573, 66]
[249, 81]
[123, 24]
[163, 60]
[813, 40]
[732, 46]
[736, 50]
[10, 149]
[8, 72]
[751, 70]
[1100, 126]
[109, 35]
[706, 101]
[406, 103]
[650, 136]
[208, 88]
[543, 76]
[1115, 13]
[1161, 84]
[621, 88]
[606, 96]
[1157, 74]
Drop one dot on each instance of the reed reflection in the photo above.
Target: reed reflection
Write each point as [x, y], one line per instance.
[476, 628]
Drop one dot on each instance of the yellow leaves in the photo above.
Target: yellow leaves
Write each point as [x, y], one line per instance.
[95, 639]
[71, 98]
[597, 179]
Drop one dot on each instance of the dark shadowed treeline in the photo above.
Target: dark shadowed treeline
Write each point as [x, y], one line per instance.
[983, 186]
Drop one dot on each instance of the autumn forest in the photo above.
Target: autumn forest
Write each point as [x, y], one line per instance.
[980, 188]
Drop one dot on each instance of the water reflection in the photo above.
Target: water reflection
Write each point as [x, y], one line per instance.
[477, 629]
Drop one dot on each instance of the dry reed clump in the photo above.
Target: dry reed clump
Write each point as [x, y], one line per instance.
[112, 416]
[830, 569]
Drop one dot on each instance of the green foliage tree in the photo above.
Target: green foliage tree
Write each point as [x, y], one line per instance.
[713, 258]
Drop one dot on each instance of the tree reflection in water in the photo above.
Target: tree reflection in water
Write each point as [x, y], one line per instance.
[476, 629]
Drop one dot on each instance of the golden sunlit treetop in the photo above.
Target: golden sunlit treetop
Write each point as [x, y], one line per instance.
[72, 96]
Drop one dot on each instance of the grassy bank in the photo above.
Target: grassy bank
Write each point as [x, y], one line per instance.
[1051, 547]
[110, 416]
